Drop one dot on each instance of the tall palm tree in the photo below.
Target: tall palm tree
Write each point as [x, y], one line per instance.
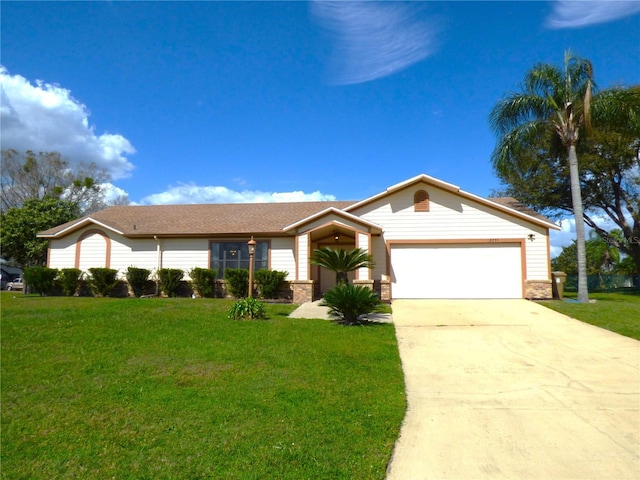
[342, 261]
[556, 100]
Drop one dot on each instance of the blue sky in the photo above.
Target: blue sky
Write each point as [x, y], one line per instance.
[196, 102]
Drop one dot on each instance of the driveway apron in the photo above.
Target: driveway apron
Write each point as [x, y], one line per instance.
[510, 389]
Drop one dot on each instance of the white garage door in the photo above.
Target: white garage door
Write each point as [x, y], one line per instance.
[492, 270]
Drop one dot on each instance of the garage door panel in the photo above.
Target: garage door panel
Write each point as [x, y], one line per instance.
[456, 271]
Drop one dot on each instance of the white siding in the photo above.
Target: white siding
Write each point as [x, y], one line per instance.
[185, 253]
[62, 252]
[282, 256]
[93, 252]
[319, 222]
[303, 257]
[363, 243]
[453, 217]
[379, 251]
[139, 253]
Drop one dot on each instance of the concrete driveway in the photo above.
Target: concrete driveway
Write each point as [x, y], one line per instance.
[509, 389]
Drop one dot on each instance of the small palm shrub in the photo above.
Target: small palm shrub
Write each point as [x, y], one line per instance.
[237, 281]
[342, 261]
[69, 280]
[170, 280]
[138, 279]
[40, 279]
[203, 280]
[351, 301]
[248, 309]
[270, 282]
[103, 280]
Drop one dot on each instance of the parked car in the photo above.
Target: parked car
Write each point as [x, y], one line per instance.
[16, 284]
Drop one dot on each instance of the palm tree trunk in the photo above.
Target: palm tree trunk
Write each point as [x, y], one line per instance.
[576, 199]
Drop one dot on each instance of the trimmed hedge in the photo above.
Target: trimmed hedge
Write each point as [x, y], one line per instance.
[103, 280]
[69, 280]
[237, 282]
[270, 282]
[203, 281]
[40, 279]
[138, 279]
[170, 280]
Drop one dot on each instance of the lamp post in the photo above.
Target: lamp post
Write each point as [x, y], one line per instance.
[252, 250]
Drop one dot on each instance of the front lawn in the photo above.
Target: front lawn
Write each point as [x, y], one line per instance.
[618, 312]
[171, 388]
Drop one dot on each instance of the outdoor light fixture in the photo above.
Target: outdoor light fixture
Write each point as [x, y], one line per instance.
[336, 237]
[252, 250]
[532, 237]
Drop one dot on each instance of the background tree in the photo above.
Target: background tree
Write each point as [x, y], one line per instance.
[609, 176]
[29, 175]
[602, 258]
[553, 111]
[20, 225]
[342, 261]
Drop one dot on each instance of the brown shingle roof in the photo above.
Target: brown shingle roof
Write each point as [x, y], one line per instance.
[203, 219]
[222, 219]
[519, 207]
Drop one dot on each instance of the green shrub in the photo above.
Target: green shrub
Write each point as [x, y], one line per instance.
[351, 301]
[69, 280]
[203, 280]
[103, 280]
[248, 309]
[237, 282]
[270, 282]
[40, 279]
[138, 279]
[170, 280]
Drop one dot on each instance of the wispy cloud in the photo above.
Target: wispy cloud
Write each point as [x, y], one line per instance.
[580, 13]
[192, 193]
[373, 39]
[45, 117]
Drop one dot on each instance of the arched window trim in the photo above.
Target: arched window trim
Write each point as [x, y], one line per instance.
[421, 201]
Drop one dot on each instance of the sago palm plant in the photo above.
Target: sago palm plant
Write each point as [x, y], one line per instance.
[349, 302]
[342, 261]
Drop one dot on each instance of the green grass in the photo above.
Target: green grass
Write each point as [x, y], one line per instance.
[618, 312]
[171, 388]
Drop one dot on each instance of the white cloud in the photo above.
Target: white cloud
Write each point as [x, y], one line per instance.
[580, 13]
[373, 39]
[45, 117]
[567, 234]
[191, 193]
[562, 238]
[111, 192]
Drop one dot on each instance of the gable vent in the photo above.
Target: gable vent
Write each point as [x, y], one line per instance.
[421, 201]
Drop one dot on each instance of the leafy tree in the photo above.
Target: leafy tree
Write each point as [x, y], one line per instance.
[610, 180]
[342, 261]
[20, 225]
[602, 258]
[541, 127]
[29, 175]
